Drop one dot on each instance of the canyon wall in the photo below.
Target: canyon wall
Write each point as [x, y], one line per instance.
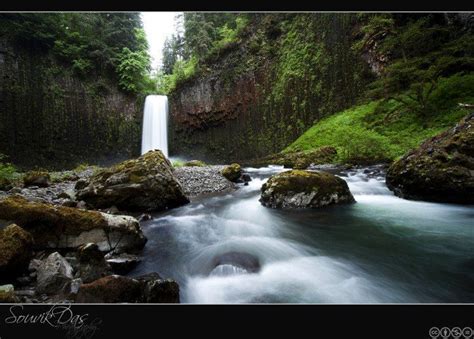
[51, 118]
[259, 94]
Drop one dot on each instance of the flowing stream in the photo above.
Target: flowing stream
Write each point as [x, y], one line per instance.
[383, 249]
[155, 124]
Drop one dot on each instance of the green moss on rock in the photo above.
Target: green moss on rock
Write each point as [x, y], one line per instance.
[15, 250]
[441, 169]
[232, 172]
[64, 227]
[304, 189]
[143, 184]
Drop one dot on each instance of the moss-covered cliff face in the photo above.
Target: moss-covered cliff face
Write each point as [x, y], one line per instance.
[52, 118]
[259, 94]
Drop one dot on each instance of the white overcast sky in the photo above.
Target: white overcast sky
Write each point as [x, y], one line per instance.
[158, 26]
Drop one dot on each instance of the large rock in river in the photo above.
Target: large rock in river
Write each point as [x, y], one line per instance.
[15, 250]
[441, 169]
[232, 172]
[304, 189]
[143, 184]
[65, 227]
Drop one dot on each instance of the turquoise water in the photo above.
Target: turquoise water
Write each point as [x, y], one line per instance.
[382, 249]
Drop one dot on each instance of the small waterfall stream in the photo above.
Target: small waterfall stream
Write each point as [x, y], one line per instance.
[155, 124]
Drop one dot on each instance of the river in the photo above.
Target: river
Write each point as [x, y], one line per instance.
[383, 249]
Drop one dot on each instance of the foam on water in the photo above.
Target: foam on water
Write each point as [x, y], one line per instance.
[381, 249]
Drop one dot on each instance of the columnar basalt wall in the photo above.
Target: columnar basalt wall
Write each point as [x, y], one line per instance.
[51, 118]
[259, 95]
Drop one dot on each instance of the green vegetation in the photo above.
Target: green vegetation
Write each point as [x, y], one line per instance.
[300, 50]
[205, 36]
[8, 173]
[112, 45]
[177, 163]
[385, 129]
[7, 170]
[182, 71]
[425, 65]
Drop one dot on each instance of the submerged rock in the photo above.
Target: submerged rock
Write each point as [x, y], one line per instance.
[143, 184]
[247, 262]
[15, 250]
[441, 169]
[54, 275]
[65, 227]
[232, 172]
[37, 178]
[304, 189]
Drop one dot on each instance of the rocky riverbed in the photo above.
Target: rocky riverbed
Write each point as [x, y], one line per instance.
[198, 181]
[78, 236]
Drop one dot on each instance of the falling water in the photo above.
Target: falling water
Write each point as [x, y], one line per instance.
[155, 124]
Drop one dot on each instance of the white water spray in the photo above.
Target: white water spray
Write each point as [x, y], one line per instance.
[155, 124]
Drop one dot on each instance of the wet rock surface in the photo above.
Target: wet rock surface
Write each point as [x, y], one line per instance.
[122, 263]
[245, 261]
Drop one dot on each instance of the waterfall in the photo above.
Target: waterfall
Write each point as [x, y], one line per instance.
[155, 124]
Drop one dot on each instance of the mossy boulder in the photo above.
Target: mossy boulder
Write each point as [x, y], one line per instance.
[143, 184]
[304, 189]
[299, 160]
[232, 172]
[441, 169]
[37, 178]
[194, 163]
[16, 250]
[55, 226]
